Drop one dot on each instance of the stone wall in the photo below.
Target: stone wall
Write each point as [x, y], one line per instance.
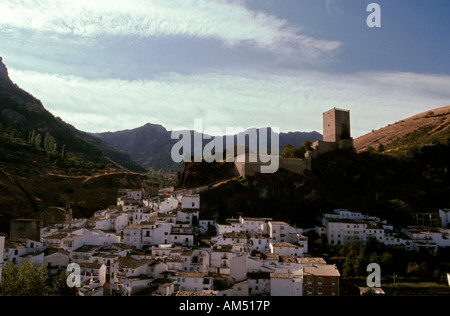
[25, 228]
[249, 168]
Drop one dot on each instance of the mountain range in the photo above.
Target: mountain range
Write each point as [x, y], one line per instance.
[150, 145]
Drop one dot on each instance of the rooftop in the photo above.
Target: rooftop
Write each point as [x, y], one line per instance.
[322, 270]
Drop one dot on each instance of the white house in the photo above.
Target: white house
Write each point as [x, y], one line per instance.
[260, 242]
[155, 233]
[166, 287]
[24, 249]
[279, 231]
[130, 285]
[195, 260]
[237, 289]
[238, 268]
[259, 284]
[220, 259]
[427, 237]
[286, 284]
[344, 232]
[129, 194]
[190, 201]
[132, 235]
[182, 235]
[395, 239]
[193, 281]
[83, 253]
[131, 275]
[229, 238]
[253, 225]
[286, 249]
[93, 271]
[56, 260]
[187, 216]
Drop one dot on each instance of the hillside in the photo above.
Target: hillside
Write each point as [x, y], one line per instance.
[150, 145]
[22, 114]
[369, 182]
[46, 162]
[426, 128]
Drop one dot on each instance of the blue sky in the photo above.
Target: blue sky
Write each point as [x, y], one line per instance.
[114, 65]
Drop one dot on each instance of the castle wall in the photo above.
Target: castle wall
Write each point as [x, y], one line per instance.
[295, 165]
[249, 168]
[321, 147]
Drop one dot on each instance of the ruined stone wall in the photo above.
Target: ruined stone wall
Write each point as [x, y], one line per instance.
[295, 165]
[249, 168]
[25, 228]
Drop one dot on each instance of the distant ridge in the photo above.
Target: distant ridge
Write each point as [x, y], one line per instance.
[150, 145]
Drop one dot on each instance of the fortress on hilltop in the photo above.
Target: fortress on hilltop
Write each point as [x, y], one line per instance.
[336, 134]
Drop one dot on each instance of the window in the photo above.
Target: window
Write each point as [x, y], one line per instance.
[319, 291]
[320, 280]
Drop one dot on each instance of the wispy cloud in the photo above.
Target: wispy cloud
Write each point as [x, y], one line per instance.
[332, 6]
[226, 20]
[290, 102]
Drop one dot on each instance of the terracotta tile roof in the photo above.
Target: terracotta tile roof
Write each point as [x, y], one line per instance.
[322, 270]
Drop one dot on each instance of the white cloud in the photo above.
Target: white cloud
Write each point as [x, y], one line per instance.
[226, 20]
[290, 102]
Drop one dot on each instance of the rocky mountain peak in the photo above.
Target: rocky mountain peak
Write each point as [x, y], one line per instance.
[3, 71]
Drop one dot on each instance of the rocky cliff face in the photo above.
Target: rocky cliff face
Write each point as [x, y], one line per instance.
[3, 71]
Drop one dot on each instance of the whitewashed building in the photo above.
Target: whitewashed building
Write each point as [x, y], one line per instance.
[286, 284]
[193, 281]
[190, 201]
[286, 249]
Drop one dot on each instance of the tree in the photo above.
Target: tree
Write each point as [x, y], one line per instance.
[49, 143]
[63, 153]
[58, 286]
[290, 151]
[37, 141]
[307, 145]
[26, 280]
[401, 212]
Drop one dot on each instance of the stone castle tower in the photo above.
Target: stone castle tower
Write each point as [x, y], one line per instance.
[336, 125]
